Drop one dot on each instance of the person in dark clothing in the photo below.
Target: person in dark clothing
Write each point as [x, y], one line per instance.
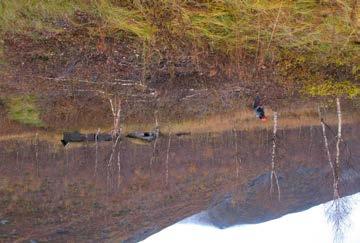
[259, 109]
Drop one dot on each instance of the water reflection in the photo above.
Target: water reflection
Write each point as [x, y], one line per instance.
[127, 187]
[309, 226]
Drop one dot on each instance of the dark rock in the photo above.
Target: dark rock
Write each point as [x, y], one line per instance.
[152, 135]
[62, 231]
[260, 180]
[180, 134]
[4, 221]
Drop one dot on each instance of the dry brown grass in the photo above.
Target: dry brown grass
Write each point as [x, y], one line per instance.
[242, 120]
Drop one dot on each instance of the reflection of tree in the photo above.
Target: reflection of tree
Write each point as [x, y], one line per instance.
[18, 164]
[153, 157]
[273, 175]
[96, 150]
[237, 161]
[340, 208]
[311, 142]
[109, 164]
[119, 168]
[115, 105]
[83, 201]
[167, 161]
[36, 144]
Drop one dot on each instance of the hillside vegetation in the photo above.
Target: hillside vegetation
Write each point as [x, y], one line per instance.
[306, 41]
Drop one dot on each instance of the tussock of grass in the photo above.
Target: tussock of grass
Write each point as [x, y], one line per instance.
[305, 24]
[330, 88]
[23, 110]
[25, 15]
[119, 18]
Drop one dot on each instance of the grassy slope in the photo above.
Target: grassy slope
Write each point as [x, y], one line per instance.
[301, 37]
[24, 110]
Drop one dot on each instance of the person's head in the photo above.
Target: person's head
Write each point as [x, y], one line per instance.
[263, 119]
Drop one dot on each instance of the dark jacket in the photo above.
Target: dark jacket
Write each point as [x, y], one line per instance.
[258, 108]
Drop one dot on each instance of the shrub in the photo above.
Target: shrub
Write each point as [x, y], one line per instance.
[23, 110]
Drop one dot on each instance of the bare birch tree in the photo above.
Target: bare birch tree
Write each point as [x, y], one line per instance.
[337, 157]
[326, 144]
[340, 208]
[115, 105]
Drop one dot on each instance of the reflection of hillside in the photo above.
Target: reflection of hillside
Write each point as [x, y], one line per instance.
[69, 200]
[242, 120]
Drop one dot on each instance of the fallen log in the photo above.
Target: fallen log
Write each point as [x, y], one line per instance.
[144, 136]
[152, 135]
[76, 137]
